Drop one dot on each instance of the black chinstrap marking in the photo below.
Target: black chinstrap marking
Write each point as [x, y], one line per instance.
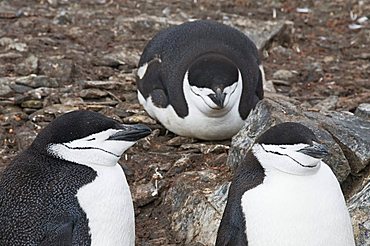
[277, 153]
[78, 148]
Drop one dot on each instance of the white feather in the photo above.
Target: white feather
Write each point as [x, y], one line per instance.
[108, 206]
[295, 205]
[203, 121]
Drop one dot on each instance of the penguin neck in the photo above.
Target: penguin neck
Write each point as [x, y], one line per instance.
[108, 206]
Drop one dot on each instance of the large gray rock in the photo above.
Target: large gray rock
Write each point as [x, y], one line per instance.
[350, 132]
[197, 201]
[359, 208]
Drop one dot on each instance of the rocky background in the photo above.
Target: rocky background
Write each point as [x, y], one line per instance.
[60, 55]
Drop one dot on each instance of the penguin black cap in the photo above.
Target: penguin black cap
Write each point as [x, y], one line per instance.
[67, 128]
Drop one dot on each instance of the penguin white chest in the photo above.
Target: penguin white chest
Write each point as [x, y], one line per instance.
[290, 210]
[108, 206]
[209, 126]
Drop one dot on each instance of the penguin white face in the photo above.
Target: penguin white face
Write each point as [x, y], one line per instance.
[88, 138]
[95, 149]
[212, 84]
[213, 102]
[289, 147]
[294, 159]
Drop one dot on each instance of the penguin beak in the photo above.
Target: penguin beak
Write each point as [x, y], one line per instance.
[316, 150]
[131, 133]
[218, 98]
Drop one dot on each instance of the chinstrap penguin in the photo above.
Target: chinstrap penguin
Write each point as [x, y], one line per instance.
[282, 194]
[67, 187]
[200, 79]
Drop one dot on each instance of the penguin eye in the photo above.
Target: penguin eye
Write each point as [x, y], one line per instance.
[91, 139]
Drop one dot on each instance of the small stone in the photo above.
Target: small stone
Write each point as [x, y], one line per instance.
[179, 140]
[53, 110]
[282, 74]
[60, 69]
[106, 85]
[137, 118]
[5, 41]
[63, 18]
[206, 148]
[268, 86]
[282, 51]
[327, 104]
[35, 81]
[71, 101]
[180, 165]
[33, 104]
[21, 47]
[41, 92]
[328, 59]
[111, 60]
[20, 88]
[363, 111]
[28, 66]
[10, 56]
[92, 93]
[5, 90]
[24, 138]
[142, 194]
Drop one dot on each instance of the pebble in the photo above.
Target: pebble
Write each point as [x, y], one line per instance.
[363, 111]
[20, 88]
[180, 165]
[24, 138]
[5, 90]
[28, 66]
[268, 86]
[206, 148]
[92, 93]
[327, 104]
[283, 74]
[36, 81]
[179, 140]
[32, 104]
[142, 194]
[60, 69]
[106, 85]
[137, 118]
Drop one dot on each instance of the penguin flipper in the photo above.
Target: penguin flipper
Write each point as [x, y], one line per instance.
[59, 235]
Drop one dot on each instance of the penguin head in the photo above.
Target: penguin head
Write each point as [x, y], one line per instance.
[212, 83]
[291, 148]
[88, 138]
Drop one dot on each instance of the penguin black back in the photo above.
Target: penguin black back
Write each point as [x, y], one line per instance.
[48, 183]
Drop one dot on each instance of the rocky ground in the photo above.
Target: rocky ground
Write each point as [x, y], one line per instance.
[59, 55]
